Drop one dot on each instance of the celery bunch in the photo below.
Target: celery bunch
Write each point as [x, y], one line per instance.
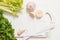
[11, 6]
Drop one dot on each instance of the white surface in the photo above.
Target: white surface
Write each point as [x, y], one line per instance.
[51, 6]
[31, 26]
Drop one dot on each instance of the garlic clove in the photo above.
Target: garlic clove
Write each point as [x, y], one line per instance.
[20, 32]
[32, 15]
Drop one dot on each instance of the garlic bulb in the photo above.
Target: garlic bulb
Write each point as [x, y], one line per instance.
[31, 6]
[39, 14]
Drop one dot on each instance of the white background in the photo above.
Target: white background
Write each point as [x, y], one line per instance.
[52, 6]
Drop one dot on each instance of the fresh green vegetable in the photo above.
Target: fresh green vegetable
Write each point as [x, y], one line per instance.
[11, 6]
[6, 30]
